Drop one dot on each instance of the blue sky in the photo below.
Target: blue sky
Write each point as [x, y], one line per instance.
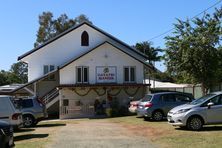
[129, 20]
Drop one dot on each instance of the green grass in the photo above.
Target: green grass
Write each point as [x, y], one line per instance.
[160, 133]
[165, 135]
[37, 137]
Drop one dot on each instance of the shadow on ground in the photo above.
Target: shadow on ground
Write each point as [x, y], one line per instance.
[50, 125]
[22, 130]
[204, 129]
[30, 136]
[107, 117]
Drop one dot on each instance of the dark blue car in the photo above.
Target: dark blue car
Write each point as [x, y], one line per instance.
[6, 135]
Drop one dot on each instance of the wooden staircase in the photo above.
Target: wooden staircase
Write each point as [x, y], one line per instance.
[50, 98]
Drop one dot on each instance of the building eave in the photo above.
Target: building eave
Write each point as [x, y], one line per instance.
[103, 85]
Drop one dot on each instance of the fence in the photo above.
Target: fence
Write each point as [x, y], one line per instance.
[196, 90]
[216, 87]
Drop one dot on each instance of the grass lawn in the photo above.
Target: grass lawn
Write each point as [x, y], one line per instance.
[38, 137]
[165, 135]
[159, 133]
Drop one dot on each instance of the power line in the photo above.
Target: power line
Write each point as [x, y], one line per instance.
[157, 36]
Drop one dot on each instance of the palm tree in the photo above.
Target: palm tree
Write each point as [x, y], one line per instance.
[151, 52]
[152, 56]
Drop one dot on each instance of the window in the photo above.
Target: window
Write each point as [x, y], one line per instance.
[27, 103]
[65, 102]
[85, 39]
[168, 98]
[129, 74]
[82, 74]
[47, 69]
[182, 98]
[147, 98]
[216, 100]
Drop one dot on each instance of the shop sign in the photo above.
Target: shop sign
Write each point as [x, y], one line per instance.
[106, 74]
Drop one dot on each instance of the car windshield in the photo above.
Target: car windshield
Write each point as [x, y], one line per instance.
[146, 98]
[202, 99]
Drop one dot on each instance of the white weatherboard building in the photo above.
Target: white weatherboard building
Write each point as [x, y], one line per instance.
[72, 70]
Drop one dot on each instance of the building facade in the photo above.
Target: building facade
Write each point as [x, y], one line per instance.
[81, 65]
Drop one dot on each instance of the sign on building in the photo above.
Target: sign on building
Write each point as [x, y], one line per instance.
[106, 74]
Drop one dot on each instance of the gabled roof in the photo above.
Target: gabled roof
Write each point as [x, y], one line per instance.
[73, 28]
[143, 61]
[9, 92]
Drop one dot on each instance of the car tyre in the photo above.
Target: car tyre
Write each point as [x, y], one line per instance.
[157, 115]
[29, 121]
[194, 123]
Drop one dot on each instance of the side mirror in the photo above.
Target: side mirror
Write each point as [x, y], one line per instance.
[210, 104]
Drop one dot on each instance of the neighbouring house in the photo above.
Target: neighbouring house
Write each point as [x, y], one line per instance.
[83, 64]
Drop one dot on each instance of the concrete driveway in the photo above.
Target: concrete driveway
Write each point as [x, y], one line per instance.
[98, 134]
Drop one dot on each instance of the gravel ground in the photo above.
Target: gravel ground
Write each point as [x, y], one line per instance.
[98, 134]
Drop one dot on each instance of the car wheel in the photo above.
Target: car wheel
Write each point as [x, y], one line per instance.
[157, 116]
[194, 123]
[28, 120]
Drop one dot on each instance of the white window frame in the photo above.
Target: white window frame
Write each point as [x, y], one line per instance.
[129, 74]
[82, 74]
[51, 78]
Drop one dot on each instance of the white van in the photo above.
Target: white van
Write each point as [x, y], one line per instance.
[10, 112]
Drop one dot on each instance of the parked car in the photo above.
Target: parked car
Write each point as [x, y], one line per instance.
[156, 106]
[10, 112]
[133, 106]
[33, 111]
[202, 111]
[6, 135]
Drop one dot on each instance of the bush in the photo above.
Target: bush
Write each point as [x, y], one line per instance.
[116, 110]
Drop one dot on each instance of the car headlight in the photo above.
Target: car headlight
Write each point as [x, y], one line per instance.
[182, 111]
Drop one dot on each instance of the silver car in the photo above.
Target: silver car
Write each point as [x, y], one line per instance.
[156, 106]
[32, 110]
[202, 111]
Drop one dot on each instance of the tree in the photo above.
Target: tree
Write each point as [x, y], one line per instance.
[3, 78]
[151, 52]
[193, 51]
[49, 27]
[16, 74]
[19, 72]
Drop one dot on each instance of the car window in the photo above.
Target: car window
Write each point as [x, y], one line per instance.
[182, 98]
[146, 98]
[15, 103]
[202, 99]
[27, 103]
[168, 98]
[216, 100]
